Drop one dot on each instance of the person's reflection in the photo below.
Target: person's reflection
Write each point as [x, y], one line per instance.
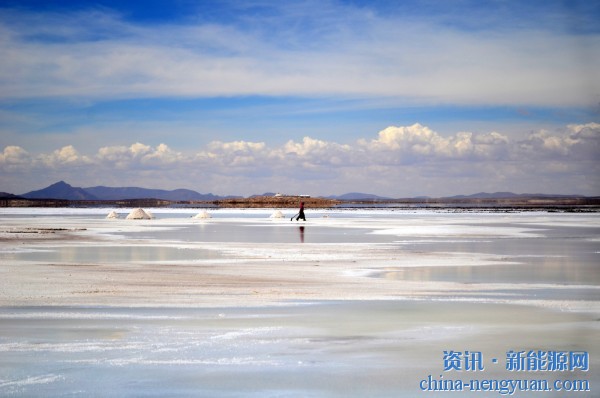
[301, 234]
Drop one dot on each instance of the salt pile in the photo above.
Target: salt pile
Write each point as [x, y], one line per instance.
[277, 214]
[113, 214]
[204, 214]
[138, 214]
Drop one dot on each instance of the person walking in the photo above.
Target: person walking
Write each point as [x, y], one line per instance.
[301, 213]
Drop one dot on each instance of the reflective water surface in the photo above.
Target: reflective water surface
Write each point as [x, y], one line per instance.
[335, 349]
[303, 348]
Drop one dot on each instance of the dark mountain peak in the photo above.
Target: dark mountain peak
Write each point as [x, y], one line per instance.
[60, 190]
[6, 195]
[59, 185]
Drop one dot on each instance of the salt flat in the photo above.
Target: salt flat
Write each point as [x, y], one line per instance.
[350, 303]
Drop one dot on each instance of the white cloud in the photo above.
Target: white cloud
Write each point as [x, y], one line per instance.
[66, 156]
[313, 153]
[351, 53]
[579, 142]
[236, 147]
[137, 155]
[235, 156]
[14, 156]
[163, 155]
[411, 143]
[400, 160]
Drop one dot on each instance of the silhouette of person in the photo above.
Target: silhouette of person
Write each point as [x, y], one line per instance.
[301, 213]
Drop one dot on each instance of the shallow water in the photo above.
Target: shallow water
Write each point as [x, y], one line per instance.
[519, 275]
[108, 254]
[535, 248]
[355, 349]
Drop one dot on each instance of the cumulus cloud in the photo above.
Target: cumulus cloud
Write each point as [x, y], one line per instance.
[137, 155]
[318, 152]
[399, 160]
[580, 142]
[235, 156]
[14, 156]
[408, 144]
[66, 156]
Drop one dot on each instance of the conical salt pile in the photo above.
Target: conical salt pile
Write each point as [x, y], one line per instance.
[113, 214]
[149, 214]
[138, 214]
[277, 214]
[203, 214]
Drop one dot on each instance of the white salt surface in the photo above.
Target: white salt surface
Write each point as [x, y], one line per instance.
[349, 303]
[349, 246]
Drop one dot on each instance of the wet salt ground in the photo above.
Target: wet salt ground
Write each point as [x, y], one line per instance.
[366, 348]
[539, 248]
[108, 254]
[334, 349]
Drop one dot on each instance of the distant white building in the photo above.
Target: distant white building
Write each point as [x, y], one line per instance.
[281, 195]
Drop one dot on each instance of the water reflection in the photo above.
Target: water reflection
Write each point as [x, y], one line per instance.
[301, 234]
[552, 270]
[111, 254]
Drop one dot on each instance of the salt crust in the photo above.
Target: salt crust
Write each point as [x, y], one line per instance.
[293, 271]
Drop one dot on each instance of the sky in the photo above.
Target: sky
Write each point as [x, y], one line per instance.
[318, 97]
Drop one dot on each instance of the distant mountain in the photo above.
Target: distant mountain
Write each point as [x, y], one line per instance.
[358, 196]
[109, 193]
[60, 190]
[508, 195]
[264, 194]
[485, 195]
[6, 195]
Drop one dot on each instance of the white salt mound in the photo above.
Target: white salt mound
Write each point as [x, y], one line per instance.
[138, 214]
[203, 214]
[113, 214]
[149, 214]
[277, 214]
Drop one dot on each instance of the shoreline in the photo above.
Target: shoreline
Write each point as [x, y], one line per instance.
[568, 204]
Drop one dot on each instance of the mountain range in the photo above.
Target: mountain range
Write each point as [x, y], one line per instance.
[64, 191]
[358, 196]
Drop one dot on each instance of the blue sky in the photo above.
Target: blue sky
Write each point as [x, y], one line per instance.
[315, 97]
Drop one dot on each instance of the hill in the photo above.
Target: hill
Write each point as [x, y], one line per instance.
[6, 195]
[509, 195]
[120, 193]
[60, 190]
[358, 196]
[63, 191]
